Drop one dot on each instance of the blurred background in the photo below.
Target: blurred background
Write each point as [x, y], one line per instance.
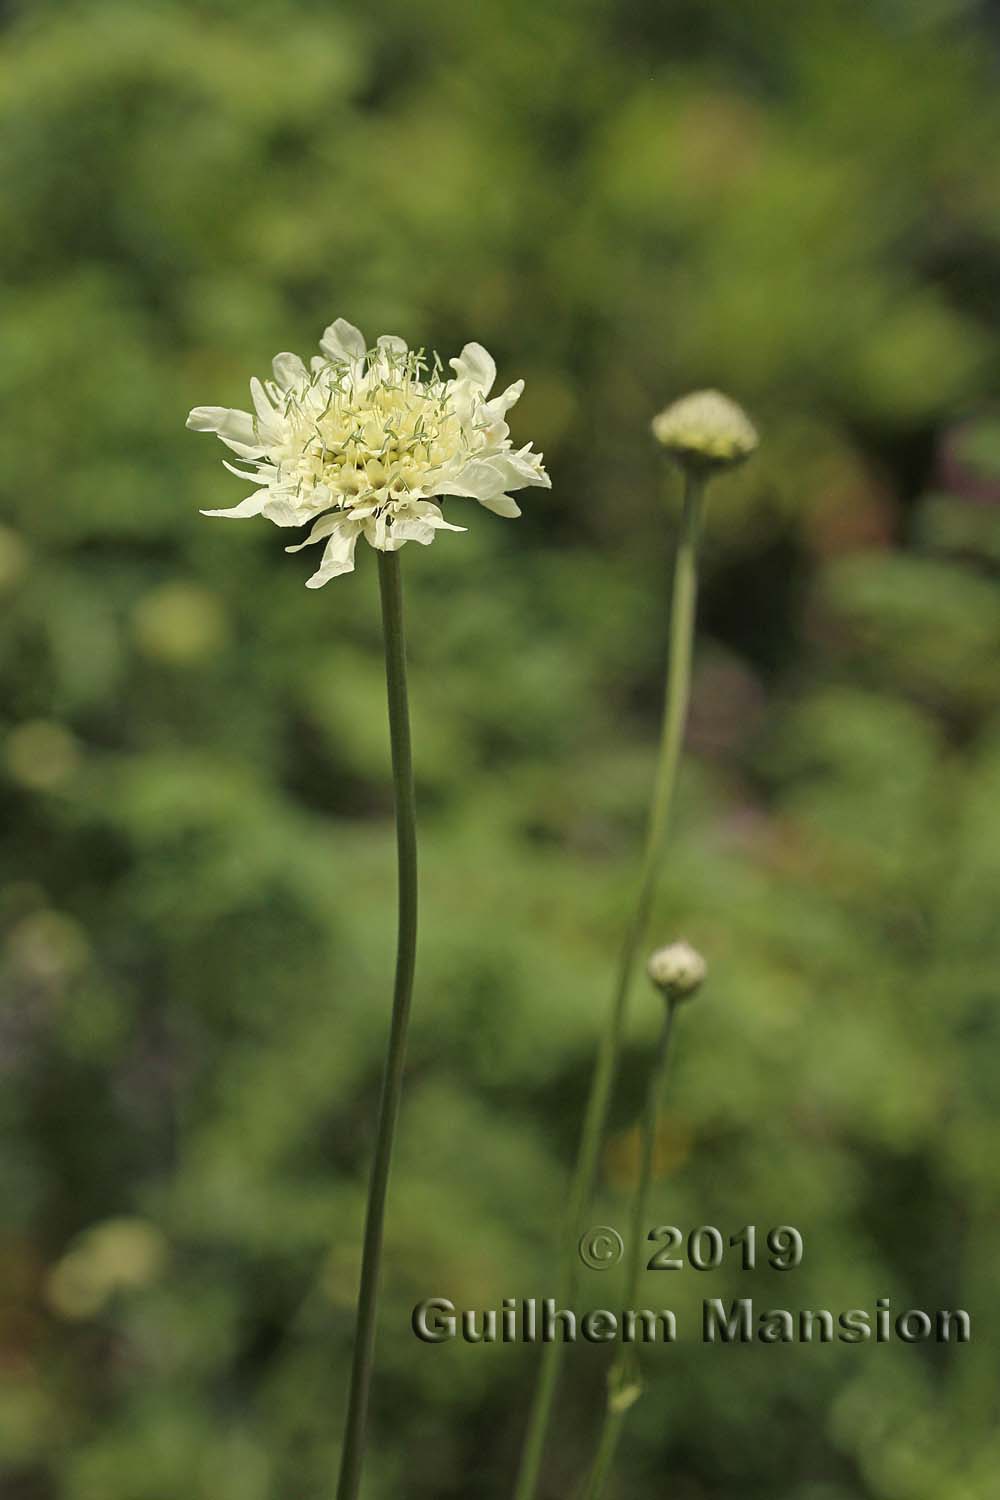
[797, 203]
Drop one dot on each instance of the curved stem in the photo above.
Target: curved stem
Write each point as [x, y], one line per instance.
[614, 1413]
[682, 618]
[390, 587]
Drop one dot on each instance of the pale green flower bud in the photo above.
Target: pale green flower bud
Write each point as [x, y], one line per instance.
[118, 1255]
[677, 970]
[706, 430]
[624, 1385]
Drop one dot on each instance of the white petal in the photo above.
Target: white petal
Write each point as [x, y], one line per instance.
[342, 341]
[425, 510]
[283, 511]
[496, 436]
[323, 528]
[502, 505]
[338, 557]
[253, 476]
[261, 404]
[520, 469]
[408, 530]
[478, 479]
[254, 450]
[500, 405]
[224, 420]
[289, 371]
[253, 505]
[375, 532]
[475, 366]
[392, 344]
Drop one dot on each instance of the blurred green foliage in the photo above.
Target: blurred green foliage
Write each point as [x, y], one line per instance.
[795, 202]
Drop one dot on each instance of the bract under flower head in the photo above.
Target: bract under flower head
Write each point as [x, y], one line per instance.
[366, 441]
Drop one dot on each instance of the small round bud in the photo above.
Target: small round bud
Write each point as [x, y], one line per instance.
[706, 430]
[677, 970]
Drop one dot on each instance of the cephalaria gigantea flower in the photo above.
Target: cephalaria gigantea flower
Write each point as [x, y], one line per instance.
[366, 442]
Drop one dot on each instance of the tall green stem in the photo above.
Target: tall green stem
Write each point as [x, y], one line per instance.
[390, 587]
[616, 1408]
[682, 618]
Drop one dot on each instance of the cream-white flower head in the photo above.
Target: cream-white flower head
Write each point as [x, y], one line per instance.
[706, 430]
[678, 970]
[366, 441]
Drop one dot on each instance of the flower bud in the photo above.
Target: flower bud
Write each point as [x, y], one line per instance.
[624, 1384]
[706, 430]
[677, 970]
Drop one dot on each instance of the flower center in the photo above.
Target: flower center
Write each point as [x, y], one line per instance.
[368, 435]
